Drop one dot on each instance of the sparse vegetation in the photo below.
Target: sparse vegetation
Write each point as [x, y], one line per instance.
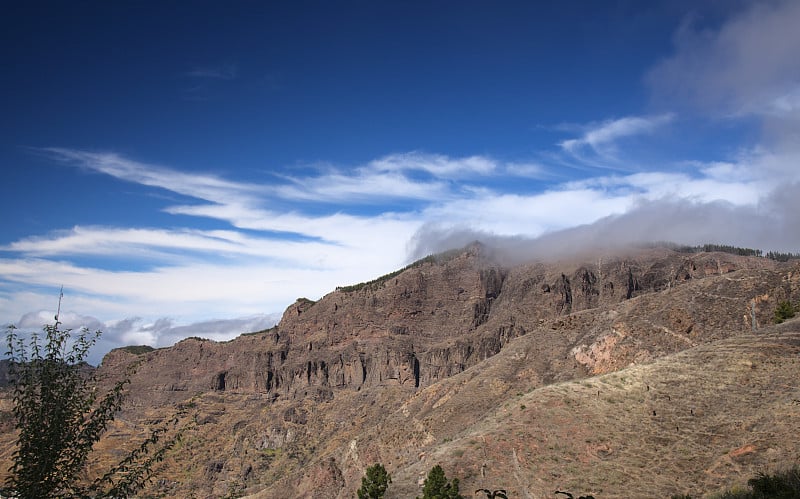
[59, 417]
[374, 482]
[137, 349]
[263, 331]
[381, 281]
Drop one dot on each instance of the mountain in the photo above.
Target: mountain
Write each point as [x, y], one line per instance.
[641, 374]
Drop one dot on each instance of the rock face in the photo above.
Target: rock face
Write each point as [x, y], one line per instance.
[366, 374]
[412, 330]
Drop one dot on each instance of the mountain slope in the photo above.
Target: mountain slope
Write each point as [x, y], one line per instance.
[433, 365]
[691, 422]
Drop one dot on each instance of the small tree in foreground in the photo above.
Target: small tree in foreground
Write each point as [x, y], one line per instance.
[374, 483]
[59, 417]
[438, 487]
[781, 485]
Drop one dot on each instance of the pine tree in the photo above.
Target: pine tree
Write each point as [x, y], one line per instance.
[437, 486]
[374, 483]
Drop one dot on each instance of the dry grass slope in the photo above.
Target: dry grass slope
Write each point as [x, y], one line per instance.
[695, 422]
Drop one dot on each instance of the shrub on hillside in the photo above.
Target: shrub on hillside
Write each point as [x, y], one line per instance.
[784, 311]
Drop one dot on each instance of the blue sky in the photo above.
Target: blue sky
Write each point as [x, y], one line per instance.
[190, 168]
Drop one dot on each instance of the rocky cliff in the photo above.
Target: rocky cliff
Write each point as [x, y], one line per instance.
[432, 321]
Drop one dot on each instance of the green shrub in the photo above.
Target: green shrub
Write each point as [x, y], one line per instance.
[784, 311]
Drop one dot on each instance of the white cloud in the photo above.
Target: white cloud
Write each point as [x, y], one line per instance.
[785, 105]
[748, 66]
[437, 165]
[530, 170]
[529, 214]
[706, 185]
[772, 224]
[135, 331]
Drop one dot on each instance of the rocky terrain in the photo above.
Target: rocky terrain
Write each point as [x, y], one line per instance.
[643, 374]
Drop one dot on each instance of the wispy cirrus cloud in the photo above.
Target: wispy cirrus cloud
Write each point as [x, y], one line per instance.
[163, 246]
[364, 186]
[248, 205]
[205, 81]
[197, 185]
[394, 177]
[601, 138]
[219, 72]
